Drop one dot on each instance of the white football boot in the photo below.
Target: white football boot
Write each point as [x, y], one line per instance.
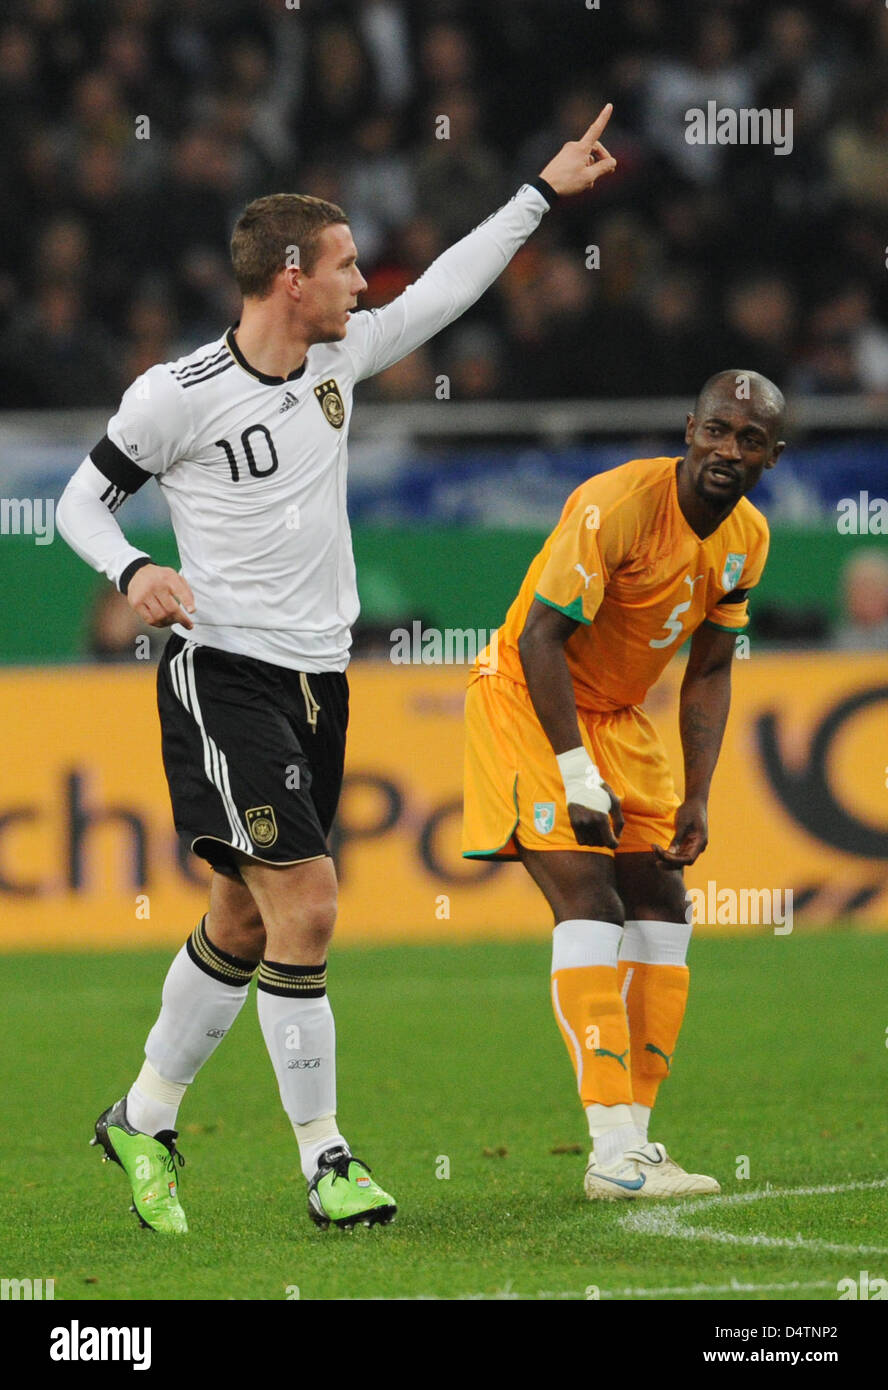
[648, 1172]
[614, 1181]
[667, 1176]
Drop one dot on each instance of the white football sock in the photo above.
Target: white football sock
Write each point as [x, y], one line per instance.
[297, 1024]
[641, 1114]
[612, 1130]
[314, 1139]
[152, 1104]
[203, 993]
[656, 943]
[577, 942]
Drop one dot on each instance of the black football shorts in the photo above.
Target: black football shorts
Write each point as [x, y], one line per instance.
[253, 754]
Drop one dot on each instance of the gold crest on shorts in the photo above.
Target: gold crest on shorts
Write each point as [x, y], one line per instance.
[262, 825]
[331, 403]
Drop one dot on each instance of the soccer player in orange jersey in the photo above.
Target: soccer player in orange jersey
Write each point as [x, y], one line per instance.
[565, 772]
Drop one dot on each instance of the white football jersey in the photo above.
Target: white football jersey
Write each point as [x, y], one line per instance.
[254, 467]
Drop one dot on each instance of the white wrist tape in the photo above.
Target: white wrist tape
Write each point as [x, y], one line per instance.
[582, 780]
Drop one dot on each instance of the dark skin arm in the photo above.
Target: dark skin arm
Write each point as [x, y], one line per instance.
[703, 713]
[549, 684]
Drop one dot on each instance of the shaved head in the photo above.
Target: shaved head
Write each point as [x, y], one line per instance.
[765, 399]
[732, 436]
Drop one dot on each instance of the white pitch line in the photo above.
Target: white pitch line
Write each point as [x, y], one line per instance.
[672, 1222]
[734, 1287]
[579, 1295]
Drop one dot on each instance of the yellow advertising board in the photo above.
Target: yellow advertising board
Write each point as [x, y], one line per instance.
[88, 855]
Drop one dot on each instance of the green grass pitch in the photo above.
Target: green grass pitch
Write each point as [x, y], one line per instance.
[449, 1059]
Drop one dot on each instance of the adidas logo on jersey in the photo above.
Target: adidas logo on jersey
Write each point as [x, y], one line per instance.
[288, 403]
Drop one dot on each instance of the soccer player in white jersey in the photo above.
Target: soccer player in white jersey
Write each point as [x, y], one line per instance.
[247, 440]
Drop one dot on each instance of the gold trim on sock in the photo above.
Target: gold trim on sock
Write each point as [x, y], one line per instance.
[216, 962]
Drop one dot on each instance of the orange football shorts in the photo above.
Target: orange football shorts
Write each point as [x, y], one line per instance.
[513, 790]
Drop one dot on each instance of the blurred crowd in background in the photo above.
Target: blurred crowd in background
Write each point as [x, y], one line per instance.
[114, 249]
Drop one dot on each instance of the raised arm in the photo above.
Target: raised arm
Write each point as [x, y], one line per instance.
[461, 274]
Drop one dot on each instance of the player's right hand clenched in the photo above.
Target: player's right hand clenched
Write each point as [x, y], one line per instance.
[594, 827]
[161, 596]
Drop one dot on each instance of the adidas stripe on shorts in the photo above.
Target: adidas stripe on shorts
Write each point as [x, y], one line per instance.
[253, 754]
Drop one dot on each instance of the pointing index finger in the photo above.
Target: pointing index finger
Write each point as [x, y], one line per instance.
[597, 126]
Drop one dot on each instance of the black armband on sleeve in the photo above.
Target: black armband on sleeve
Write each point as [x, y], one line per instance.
[736, 596]
[126, 575]
[546, 189]
[124, 476]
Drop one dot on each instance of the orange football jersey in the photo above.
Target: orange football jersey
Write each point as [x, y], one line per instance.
[625, 563]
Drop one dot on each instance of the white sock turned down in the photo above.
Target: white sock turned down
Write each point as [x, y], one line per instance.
[197, 1011]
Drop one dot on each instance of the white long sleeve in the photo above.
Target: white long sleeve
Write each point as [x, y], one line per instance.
[254, 467]
[380, 337]
[88, 526]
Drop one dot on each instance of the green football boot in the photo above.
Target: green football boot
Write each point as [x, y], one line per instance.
[150, 1165]
[342, 1191]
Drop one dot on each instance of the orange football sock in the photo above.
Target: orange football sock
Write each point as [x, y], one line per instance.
[592, 1018]
[656, 996]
